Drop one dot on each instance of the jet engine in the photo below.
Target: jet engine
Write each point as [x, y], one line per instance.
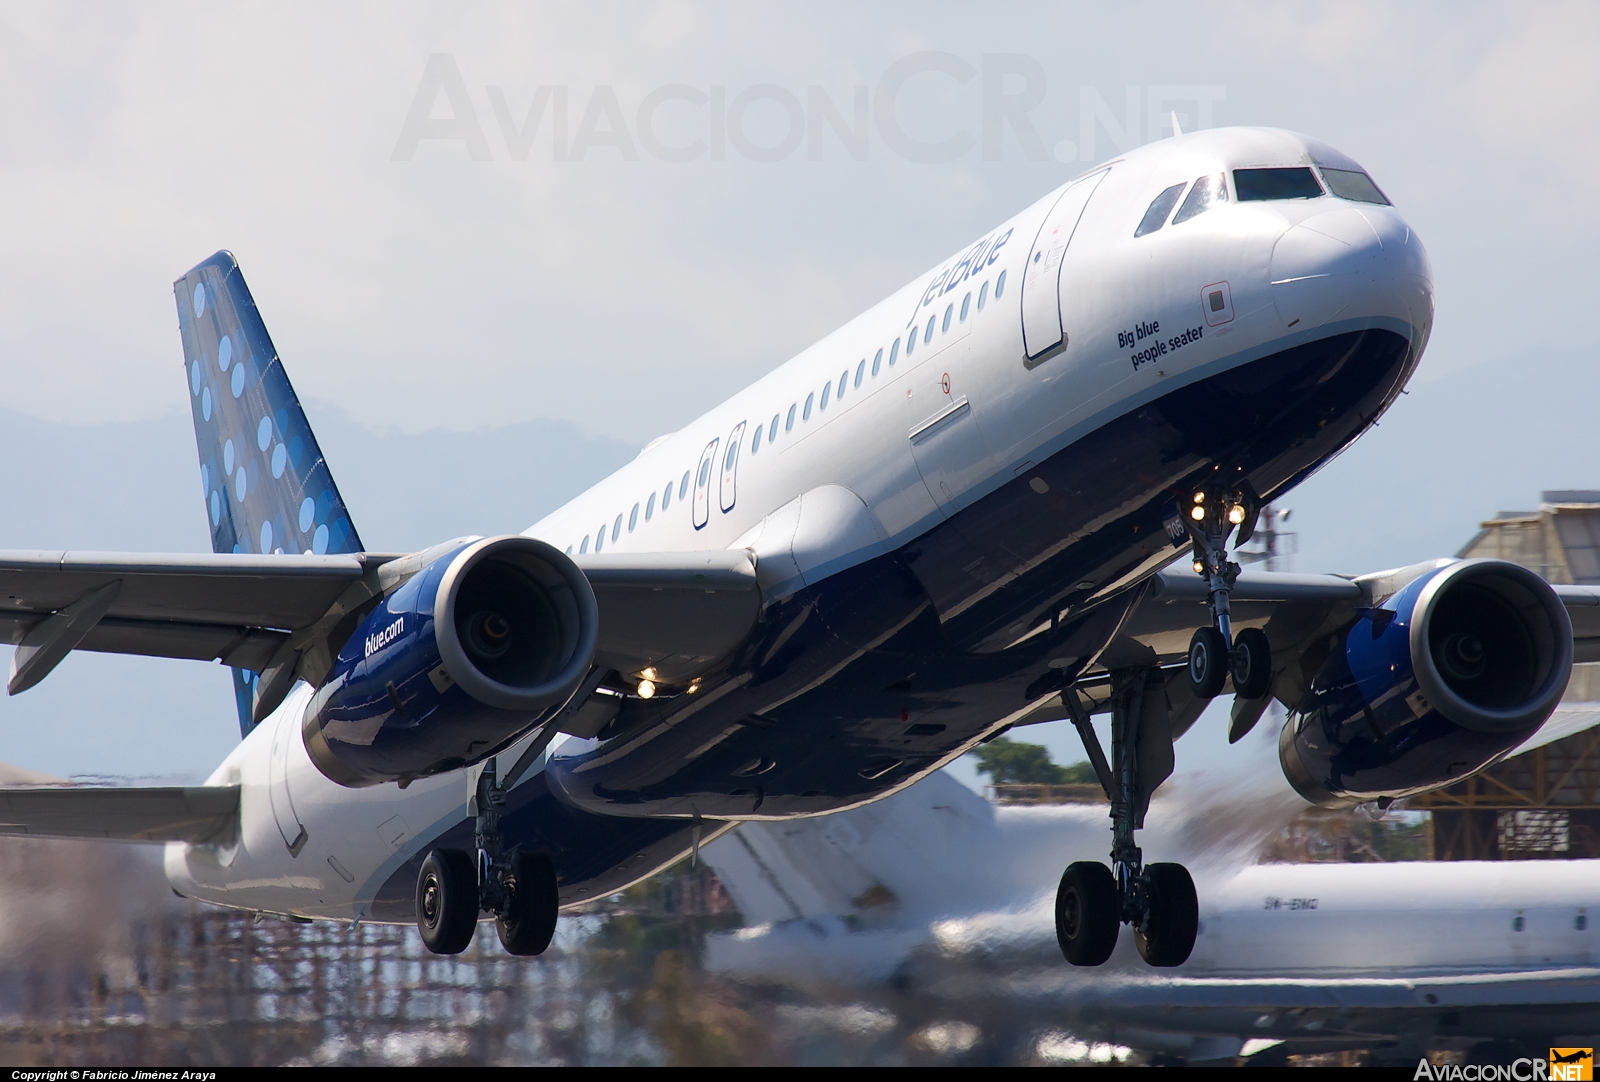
[1441, 679]
[455, 664]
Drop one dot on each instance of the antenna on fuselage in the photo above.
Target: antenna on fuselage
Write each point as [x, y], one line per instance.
[1175, 129]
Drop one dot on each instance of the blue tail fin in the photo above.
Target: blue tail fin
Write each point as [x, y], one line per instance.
[267, 488]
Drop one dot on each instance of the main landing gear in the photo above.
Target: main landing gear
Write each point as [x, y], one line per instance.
[519, 888]
[1157, 900]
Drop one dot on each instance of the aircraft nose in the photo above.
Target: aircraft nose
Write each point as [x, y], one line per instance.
[1315, 264]
[1348, 262]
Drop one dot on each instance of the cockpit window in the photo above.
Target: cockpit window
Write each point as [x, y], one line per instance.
[1255, 185]
[1206, 193]
[1353, 184]
[1160, 207]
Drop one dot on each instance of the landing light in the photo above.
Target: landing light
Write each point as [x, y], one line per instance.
[1236, 514]
[1199, 567]
[648, 673]
[694, 686]
[1199, 497]
[647, 689]
[1198, 513]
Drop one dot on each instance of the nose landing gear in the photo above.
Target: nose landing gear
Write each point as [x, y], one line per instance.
[1157, 900]
[1215, 652]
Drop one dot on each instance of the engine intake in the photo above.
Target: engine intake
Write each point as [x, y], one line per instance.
[1443, 678]
[455, 664]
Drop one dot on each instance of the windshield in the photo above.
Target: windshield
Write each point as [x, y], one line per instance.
[1262, 184]
[1355, 185]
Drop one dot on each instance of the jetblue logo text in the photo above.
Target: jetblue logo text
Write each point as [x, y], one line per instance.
[379, 640]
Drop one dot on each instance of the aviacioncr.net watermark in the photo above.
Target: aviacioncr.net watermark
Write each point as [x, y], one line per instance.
[927, 107]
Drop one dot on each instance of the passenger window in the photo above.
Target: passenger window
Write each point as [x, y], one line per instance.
[1260, 185]
[927, 336]
[861, 370]
[1206, 193]
[633, 518]
[966, 303]
[755, 441]
[806, 415]
[583, 549]
[600, 537]
[827, 388]
[650, 508]
[569, 550]
[616, 529]
[844, 378]
[983, 296]
[911, 344]
[666, 496]
[788, 425]
[683, 486]
[1355, 185]
[1160, 207]
[877, 360]
[894, 352]
[772, 432]
[999, 285]
[705, 475]
[949, 312]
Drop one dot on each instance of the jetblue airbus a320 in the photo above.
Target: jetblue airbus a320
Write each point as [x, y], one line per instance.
[949, 517]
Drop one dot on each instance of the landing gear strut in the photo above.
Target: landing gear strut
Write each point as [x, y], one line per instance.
[1215, 652]
[519, 887]
[1157, 900]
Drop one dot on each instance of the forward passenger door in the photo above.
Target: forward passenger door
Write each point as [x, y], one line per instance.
[1043, 333]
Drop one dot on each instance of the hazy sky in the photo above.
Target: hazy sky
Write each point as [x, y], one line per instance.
[516, 244]
[625, 293]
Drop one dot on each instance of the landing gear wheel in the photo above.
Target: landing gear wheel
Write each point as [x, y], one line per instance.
[1088, 913]
[1174, 920]
[529, 919]
[1208, 662]
[447, 901]
[1252, 663]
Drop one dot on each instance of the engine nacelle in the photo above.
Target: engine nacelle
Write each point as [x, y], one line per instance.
[455, 664]
[1451, 672]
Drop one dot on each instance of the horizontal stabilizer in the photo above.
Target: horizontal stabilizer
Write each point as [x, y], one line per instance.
[197, 814]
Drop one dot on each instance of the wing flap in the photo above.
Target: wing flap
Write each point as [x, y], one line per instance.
[197, 814]
[675, 612]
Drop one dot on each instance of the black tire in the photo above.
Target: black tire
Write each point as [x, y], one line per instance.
[1208, 663]
[447, 901]
[1252, 663]
[532, 901]
[1088, 913]
[1174, 916]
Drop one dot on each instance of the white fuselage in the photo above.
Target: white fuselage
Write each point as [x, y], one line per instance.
[888, 440]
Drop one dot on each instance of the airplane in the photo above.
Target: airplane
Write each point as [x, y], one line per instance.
[935, 902]
[948, 517]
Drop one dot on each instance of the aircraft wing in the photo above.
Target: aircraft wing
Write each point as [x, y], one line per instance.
[1291, 609]
[240, 610]
[195, 814]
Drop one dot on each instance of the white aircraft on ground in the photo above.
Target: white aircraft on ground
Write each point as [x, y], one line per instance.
[947, 517]
[936, 903]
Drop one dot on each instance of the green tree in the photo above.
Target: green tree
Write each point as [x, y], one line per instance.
[1008, 761]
